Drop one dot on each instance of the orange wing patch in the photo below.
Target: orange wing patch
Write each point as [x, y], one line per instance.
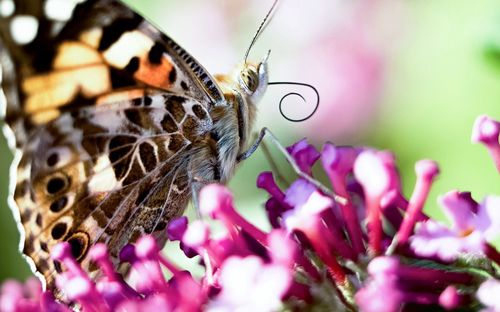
[156, 75]
[140, 55]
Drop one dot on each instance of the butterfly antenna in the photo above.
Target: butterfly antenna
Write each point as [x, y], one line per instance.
[300, 96]
[262, 27]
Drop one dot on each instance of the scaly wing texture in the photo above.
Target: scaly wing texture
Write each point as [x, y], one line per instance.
[107, 173]
[105, 46]
[106, 111]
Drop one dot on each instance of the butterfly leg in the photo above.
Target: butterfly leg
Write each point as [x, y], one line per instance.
[280, 177]
[196, 187]
[265, 131]
[195, 192]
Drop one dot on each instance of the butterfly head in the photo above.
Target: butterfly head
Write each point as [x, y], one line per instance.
[253, 79]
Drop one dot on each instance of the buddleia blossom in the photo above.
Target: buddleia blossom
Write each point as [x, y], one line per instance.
[488, 295]
[473, 225]
[356, 244]
[486, 131]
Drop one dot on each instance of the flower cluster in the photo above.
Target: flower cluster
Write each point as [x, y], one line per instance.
[358, 245]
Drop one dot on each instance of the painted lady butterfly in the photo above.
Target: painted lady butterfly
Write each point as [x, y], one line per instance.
[113, 121]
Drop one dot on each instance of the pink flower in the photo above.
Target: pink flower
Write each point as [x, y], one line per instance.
[249, 284]
[391, 285]
[488, 295]
[361, 246]
[304, 154]
[27, 297]
[486, 131]
[472, 226]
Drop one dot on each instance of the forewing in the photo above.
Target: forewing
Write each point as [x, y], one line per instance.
[103, 48]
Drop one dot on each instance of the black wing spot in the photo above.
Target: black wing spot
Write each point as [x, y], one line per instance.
[137, 101]
[156, 53]
[133, 65]
[79, 244]
[121, 78]
[148, 101]
[184, 86]
[113, 32]
[56, 184]
[59, 230]
[172, 76]
[59, 204]
[53, 159]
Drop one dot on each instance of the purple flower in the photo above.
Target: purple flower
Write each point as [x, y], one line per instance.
[362, 246]
[472, 227]
[374, 171]
[486, 131]
[27, 297]
[249, 284]
[304, 154]
[391, 285]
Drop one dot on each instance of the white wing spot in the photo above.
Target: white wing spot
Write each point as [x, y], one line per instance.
[7, 8]
[104, 178]
[60, 10]
[24, 28]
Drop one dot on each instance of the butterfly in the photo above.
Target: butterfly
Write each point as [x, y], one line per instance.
[113, 124]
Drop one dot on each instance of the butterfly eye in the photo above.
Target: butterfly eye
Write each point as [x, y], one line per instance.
[249, 80]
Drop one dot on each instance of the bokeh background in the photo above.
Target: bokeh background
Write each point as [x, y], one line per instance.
[408, 76]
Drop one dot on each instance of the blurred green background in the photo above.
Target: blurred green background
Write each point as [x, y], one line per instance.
[407, 76]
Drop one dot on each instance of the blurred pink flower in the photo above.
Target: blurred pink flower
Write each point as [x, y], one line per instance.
[346, 62]
[348, 74]
[486, 131]
[338, 47]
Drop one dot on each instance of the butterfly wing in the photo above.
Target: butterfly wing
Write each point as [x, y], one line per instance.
[106, 111]
[107, 173]
[105, 46]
